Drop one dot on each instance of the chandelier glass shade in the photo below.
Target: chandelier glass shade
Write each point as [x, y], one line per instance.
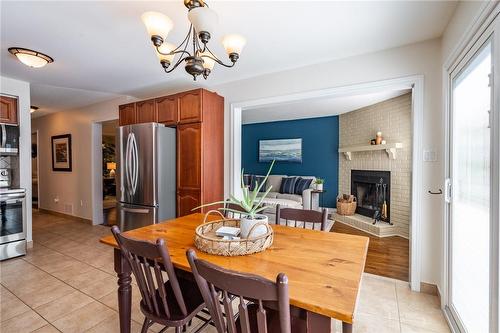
[193, 51]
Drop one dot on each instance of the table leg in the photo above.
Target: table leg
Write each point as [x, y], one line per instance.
[316, 323]
[346, 328]
[122, 269]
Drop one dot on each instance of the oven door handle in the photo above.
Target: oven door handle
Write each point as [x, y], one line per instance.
[4, 197]
[4, 136]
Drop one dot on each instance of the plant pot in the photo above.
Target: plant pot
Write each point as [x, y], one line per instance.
[247, 223]
[319, 187]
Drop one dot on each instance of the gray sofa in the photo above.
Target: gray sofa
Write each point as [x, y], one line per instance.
[298, 201]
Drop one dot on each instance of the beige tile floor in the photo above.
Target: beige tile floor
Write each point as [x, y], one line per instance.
[66, 283]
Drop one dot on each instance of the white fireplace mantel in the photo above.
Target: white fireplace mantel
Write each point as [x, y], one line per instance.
[390, 149]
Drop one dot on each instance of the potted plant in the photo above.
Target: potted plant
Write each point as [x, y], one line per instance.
[251, 206]
[319, 184]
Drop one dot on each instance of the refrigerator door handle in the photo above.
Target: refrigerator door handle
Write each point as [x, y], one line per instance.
[135, 156]
[128, 169]
[136, 210]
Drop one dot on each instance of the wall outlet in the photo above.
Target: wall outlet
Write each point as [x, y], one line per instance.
[56, 199]
[430, 155]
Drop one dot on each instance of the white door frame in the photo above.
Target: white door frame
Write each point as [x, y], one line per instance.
[415, 82]
[96, 169]
[478, 33]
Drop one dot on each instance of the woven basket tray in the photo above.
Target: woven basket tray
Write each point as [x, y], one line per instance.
[206, 240]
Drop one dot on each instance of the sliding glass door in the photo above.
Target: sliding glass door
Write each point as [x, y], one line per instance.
[471, 191]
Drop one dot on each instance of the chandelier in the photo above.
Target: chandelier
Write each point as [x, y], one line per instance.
[193, 51]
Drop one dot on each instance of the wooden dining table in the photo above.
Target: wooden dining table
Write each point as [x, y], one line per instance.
[324, 269]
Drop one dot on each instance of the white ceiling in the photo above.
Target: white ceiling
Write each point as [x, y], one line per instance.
[103, 47]
[319, 107]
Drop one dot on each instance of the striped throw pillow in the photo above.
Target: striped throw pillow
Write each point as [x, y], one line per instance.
[258, 179]
[288, 185]
[302, 184]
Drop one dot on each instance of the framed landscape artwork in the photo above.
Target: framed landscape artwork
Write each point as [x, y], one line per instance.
[61, 152]
[281, 150]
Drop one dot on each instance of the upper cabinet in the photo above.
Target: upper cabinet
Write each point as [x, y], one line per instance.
[8, 110]
[167, 110]
[190, 110]
[146, 111]
[127, 114]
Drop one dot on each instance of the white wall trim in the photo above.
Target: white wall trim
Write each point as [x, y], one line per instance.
[416, 82]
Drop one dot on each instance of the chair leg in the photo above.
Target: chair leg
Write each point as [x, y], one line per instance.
[178, 329]
[145, 326]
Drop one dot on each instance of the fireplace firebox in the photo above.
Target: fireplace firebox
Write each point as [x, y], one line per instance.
[372, 190]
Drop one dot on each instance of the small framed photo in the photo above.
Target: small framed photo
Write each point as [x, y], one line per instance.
[61, 152]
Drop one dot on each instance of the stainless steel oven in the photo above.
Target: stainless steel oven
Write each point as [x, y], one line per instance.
[12, 223]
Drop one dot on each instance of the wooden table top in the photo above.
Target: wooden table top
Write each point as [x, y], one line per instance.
[324, 269]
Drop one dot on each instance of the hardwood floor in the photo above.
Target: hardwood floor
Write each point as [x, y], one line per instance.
[387, 256]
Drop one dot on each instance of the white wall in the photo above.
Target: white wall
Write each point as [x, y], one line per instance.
[21, 89]
[465, 15]
[422, 58]
[72, 188]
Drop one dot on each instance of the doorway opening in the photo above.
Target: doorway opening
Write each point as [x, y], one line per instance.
[108, 139]
[34, 170]
[412, 83]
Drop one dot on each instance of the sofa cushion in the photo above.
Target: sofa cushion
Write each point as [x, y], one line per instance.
[302, 184]
[270, 195]
[247, 180]
[294, 197]
[288, 185]
[275, 182]
[259, 180]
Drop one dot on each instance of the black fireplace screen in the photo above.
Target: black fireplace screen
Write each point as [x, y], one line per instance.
[372, 190]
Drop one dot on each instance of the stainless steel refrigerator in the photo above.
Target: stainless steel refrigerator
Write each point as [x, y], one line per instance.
[146, 175]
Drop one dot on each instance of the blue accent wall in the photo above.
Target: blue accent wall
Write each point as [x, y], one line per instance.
[320, 157]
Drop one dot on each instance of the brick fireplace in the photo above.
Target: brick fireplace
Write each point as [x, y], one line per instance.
[357, 128]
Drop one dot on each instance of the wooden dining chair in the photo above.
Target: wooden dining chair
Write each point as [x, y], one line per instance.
[300, 218]
[264, 305]
[171, 303]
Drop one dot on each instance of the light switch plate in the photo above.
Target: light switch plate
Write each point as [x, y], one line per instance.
[430, 155]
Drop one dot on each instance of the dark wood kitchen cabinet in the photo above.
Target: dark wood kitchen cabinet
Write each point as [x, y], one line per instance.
[127, 114]
[167, 110]
[198, 116]
[145, 111]
[8, 110]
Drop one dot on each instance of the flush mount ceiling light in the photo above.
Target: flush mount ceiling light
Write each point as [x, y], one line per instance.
[31, 58]
[198, 58]
[33, 108]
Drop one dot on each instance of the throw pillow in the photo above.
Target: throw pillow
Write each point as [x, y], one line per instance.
[302, 184]
[247, 180]
[288, 185]
[258, 179]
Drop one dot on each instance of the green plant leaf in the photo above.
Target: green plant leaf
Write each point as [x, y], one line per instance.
[211, 204]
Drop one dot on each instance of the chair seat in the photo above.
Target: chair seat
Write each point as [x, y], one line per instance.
[273, 321]
[192, 298]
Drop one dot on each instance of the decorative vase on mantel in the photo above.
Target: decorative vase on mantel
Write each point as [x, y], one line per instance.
[319, 187]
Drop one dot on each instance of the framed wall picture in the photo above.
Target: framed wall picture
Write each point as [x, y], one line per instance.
[61, 152]
[281, 150]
